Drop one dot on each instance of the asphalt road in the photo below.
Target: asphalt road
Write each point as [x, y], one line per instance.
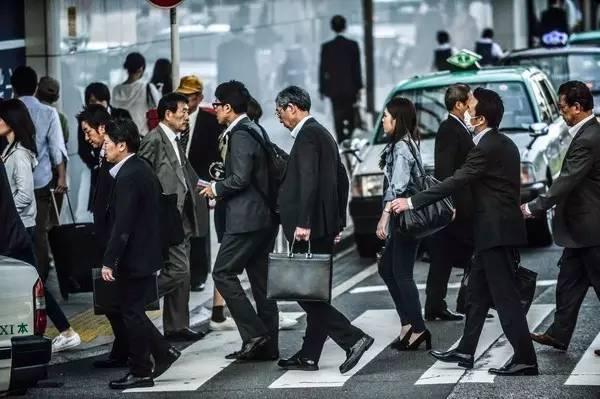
[383, 373]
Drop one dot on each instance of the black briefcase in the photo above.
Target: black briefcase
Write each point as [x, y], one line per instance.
[300, 277]
[106, 296]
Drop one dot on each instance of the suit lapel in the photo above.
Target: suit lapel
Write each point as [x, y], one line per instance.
[589, 123]
[171, 156]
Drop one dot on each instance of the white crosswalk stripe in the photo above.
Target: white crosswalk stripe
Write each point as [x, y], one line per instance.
[422, 286]
[587, 371]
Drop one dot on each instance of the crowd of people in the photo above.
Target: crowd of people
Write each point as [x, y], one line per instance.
[216, 158]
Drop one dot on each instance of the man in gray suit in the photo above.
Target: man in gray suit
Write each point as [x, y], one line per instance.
[161, 148]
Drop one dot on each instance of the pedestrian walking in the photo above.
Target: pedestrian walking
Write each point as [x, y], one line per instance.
[340, 78]
[312, 203]
[575, 197]
[249, 227]
[488, 49]
[492, 169]
[133, 254]
[442, 52]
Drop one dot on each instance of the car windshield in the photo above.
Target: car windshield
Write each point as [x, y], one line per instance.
[561, 68]
[431, 111]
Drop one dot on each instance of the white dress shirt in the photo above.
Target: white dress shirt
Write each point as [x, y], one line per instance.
[477, 138]
[299, 126]
[237, 120]
[573, 130]
[172, 136]
[462, 123]
[192, 123]
[115, 169]
[496, 49]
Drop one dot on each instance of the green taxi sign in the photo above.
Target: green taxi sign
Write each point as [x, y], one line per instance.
[464, 59]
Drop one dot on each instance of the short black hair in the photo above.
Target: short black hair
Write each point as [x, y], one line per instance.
[235, 94]
[133, 62]
[24, 81]
[99, 90]
[489, 105]
[338, 23]
[443, 37]
[94, 115]
[455, 93]
[577, 92]
[293, 95]
[124, 131]
[170, 102]
[488, 33]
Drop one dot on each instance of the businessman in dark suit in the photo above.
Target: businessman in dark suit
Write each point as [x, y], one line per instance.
[575, 194]
[312, 204]
[340, 77]
[162, 149]
[453, 246]
[95, 94]
[492, 169]
[250, 227]
[133, 254]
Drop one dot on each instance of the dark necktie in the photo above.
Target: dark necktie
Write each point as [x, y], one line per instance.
[180, 151]
[184, 137]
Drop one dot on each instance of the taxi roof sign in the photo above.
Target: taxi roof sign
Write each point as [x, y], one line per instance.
[464, 59]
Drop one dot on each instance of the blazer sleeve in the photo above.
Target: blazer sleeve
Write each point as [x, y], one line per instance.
[323, 71]
[357, 69]
[575, 167]
[308, 170]
[148, 150]
[473, 168]
[241, 163]
[343, 193]
[125, 208]
[23, 180]
[446, 148]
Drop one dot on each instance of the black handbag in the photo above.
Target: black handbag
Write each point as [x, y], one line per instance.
[419, 223]
[299, 277]
[106, 295]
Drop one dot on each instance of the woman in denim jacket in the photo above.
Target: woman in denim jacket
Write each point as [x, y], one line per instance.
[396, 268]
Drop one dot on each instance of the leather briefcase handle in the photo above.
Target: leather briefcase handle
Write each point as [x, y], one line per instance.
[290, 254]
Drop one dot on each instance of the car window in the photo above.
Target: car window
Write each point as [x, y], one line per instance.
[550, 95]
[541, 100]
[554, 66]
[431, 111]
[586, 68]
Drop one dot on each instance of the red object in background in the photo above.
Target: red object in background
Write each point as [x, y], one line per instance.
[152, 119]
[39, 315]
[165, 3]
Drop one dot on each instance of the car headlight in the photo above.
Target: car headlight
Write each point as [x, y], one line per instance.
[367, 185]
[527, 173]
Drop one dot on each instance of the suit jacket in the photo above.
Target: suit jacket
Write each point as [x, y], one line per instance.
[204, 147]
[100, 200]
[576, 192]
[175, 177]
[13, 237]
[246, 172]
[314, 192]
[134, 244]
[452, 145]
[340, 75]
[493, 170]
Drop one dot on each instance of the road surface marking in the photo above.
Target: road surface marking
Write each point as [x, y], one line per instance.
[383, 325]
[587, 370]
[378, 288]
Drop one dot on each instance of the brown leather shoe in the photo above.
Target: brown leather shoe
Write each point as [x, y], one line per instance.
[546, 339]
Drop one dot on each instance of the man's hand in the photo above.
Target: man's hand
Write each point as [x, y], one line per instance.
[302, 234]
[337, 239]
[207, 192]
[382, 226]
[400, 205]
[107, 274]
[525, 212]
[61, 185]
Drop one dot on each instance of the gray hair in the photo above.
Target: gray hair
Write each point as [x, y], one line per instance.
[293, 95]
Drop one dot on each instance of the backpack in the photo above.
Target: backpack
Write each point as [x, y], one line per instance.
[276, 165]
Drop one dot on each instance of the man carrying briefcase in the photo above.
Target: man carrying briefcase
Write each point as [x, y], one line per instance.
[312, 204]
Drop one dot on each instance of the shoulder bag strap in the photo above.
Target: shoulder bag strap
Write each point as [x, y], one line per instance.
[416, 158]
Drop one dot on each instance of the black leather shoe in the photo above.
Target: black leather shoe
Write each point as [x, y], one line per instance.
[110, 363]
[452, 356]
[597, 352]
[547, 340]
[516, 369]
[163, 365]
[263, 354]
[444, 315]
[249, 348]
[297, 362]
[131, 381]
[198, 288]
[184, 335]
[355, 353]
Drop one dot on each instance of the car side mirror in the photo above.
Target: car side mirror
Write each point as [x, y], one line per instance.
[538, 129]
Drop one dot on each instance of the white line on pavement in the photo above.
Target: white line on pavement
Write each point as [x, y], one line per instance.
[587, 370]
[378, 288]
[383, 325]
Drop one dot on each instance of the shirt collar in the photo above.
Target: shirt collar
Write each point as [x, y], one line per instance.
[444, 46]
[115, 169]
[234, 123]
[573, 130]
[299, 126]
[477, 138]
[485, 40]
[462, 123]
[168, 131]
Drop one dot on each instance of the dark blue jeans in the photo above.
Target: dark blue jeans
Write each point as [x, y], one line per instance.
[396, 270]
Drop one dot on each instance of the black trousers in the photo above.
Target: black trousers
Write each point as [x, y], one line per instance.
[446, 251]
[493, 278]
[248, 251]
[199, 260]
[343, 117]
[579, 268]
[142, 336]
[322, 319]
[42, 219]
[120, 346]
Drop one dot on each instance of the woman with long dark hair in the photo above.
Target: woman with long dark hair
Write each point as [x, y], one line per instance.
[19, 158]
[399, 163]
[162, 77]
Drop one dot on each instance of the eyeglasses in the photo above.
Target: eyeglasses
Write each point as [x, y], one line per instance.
[279, 110]
[215, 105]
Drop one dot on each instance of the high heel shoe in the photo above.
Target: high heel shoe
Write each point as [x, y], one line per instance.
[400, 343]
[424, 337]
